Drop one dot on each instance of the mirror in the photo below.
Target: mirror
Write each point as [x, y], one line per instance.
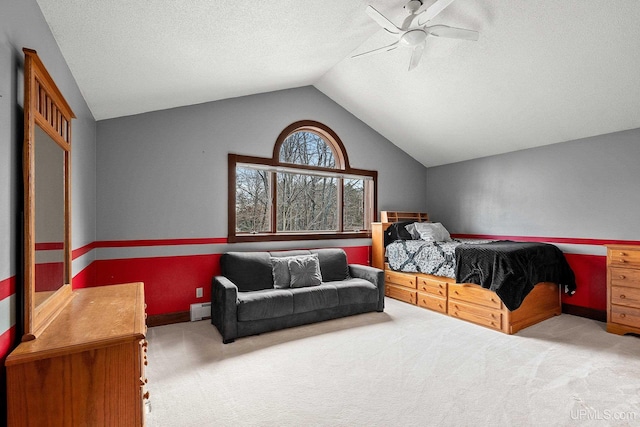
[47, 205]
[49, 216]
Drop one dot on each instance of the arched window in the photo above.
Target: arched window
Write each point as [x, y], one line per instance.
[306, 190]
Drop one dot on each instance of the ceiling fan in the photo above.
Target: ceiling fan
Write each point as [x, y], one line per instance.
[415, 29]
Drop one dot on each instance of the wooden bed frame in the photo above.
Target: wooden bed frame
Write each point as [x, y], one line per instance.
[465, 301]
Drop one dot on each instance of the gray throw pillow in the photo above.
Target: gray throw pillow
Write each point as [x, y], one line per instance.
[281, 276]
[305, 271]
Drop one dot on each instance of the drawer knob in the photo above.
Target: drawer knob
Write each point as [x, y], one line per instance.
[622, 260]
[622, 296]
[622, 315]
[622, 276]
[492, 300]
[146, 395]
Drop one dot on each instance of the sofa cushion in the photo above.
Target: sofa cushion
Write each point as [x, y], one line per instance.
[356, 291]
[314, 298]
[305, 271]
[333, 264]
[249, 271]
[265, 304]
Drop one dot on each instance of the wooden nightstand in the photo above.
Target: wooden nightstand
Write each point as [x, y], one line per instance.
[623, 289]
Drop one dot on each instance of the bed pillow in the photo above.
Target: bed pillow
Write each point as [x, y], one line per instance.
[431, 232]
[397, 231]
[305, 271]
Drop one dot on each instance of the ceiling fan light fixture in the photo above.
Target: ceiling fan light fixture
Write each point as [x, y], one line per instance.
[414, 37]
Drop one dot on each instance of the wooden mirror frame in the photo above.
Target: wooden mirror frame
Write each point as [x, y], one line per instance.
[44, 106]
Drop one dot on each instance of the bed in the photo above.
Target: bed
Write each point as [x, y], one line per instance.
[501, 297]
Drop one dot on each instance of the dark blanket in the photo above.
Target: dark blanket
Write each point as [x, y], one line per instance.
[512, 269]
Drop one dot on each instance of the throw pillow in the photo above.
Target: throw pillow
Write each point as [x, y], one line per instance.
[305, 271]
[432, 232]
[281, 275]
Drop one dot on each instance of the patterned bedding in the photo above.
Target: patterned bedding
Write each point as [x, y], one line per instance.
[437, 258]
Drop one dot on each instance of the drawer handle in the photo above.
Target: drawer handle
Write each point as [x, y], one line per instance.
[622, 315]
[622, 276]
[146, 395]
[492, 300]
[622, 297]
[622, 260]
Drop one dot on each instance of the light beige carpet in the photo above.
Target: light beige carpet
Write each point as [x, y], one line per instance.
[404, 367]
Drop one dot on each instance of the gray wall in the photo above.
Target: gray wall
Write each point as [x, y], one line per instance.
[22, 25]
[164, 174]
[588, 188]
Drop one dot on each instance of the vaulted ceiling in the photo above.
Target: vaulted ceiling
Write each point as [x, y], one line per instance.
[542, 72]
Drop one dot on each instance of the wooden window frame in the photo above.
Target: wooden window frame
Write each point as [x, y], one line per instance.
[342, 168]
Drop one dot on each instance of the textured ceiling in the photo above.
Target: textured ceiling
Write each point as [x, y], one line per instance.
[542, 72]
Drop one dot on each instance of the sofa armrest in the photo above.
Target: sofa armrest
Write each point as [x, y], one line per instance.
[372, 274]
[224, 307]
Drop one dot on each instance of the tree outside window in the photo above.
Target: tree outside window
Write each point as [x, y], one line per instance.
[307, 190]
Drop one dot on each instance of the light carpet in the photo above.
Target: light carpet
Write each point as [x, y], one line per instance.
[405, 367]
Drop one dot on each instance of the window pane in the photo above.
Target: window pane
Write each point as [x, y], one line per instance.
[354, 201]
[252, 200]
[307, 202]
[307, 148]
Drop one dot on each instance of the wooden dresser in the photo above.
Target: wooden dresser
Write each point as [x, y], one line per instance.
[87, 367]
[623, 289]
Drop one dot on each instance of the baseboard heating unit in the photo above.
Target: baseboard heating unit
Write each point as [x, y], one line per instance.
[200, 311]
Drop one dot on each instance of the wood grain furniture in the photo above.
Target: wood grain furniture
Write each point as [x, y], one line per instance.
[46, 168]
[87, 368]
[623, 289]
[466, 301]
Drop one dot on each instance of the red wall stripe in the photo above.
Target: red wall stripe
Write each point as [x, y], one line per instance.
[7, 341]
[591, 281]
[171, 282]
[77, 253]
[49, 246]
[7, 287]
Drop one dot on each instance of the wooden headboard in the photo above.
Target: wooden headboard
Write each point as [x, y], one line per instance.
[378, 229]
[391, 216]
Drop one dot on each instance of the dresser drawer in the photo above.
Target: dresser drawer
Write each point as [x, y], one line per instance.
[625, 315]
[625, 296]
[433, 286]
[432, 302]
[623, 257]
[400, 293]
[625, 277]
[476, 314]
[407, 280]
[474, 294]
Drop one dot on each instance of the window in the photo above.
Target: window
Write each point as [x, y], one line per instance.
[305, 191]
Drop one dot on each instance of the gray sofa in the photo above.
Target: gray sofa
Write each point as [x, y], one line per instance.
[244, 301]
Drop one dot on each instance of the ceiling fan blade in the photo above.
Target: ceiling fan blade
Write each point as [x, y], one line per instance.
[433, 11]
[378, 50]
[382, 20]
[416, 56]
[452, 32]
